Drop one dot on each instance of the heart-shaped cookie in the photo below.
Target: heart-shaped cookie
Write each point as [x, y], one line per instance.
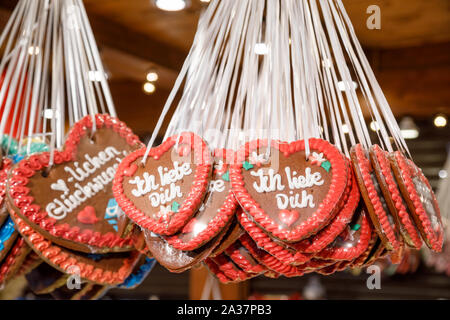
[397, 205]
[216, 211]
[50, 199]
[165, 192]
[109, 268]
[309, 188]
[380, 215]
[420, 199]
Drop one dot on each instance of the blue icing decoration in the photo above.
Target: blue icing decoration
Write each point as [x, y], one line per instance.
[112, 209]
[247, 165]
[175, 206]
[6, 231]
[116, 228]
[136, 278]
[9, 144]
[326, 165]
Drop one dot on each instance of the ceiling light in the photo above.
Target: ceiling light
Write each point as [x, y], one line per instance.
[408, 128]
[48, 113]
[443, 174]
[95, 75]
[33, 50]
[149, 87]
[374, 126]
[345, 128]
[342, 86]
[152, 76]
[261, 48]
[171, 5]
[440, 120]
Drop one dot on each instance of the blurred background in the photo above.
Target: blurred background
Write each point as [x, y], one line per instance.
[143, 48]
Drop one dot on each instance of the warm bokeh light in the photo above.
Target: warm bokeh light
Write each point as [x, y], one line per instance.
[149, 87]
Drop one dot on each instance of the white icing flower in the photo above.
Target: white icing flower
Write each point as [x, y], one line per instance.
[219, 166]
[317, 158]
[257, 158]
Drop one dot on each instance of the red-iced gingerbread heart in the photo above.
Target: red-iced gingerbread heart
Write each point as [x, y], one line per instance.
[289, 195]
[50, 199]
[162, 194]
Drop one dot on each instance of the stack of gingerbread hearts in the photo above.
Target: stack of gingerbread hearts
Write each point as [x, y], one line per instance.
[60, 224]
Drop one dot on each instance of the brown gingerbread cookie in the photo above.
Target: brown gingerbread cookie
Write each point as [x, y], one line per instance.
[290, 196]
[352, 242]
[71, 202]
[391, 192]
[177, 260]
[165, 192]
[11, 264]
[232, 235]
[420, 199]
[110, 268]
[45, 279]
[216, 211]
[377, 207]
[31, 261]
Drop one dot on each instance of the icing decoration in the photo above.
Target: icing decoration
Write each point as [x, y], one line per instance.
[175, 206]
[163, 180]
[87, 170]
[394, 199]
[243, 259]
[87, 215]
[292, 184]
[6, 232]
[288, 217]
[247, 165]
[316, 158]
[226, 176]
[326, 165]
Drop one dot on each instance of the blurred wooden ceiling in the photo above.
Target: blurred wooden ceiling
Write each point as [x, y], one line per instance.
[410, 54]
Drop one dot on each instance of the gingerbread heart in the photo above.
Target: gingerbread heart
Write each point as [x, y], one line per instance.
[110, 268]
[50, 198]
[216, 211]
[165, 192]
[289, 195]
[420, 199]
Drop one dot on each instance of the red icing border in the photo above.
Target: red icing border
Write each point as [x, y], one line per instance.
[268, 260]
[18, 180]
[241, 261]
[365, 169]
[326, 209]
[396, 197]
[227, 266]
[223, 216]
[435, 240]
[11, 258]
[265, 242]
[193, 199]
[344, 253]
[214, 268]
[328, 234]
[61, 259]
